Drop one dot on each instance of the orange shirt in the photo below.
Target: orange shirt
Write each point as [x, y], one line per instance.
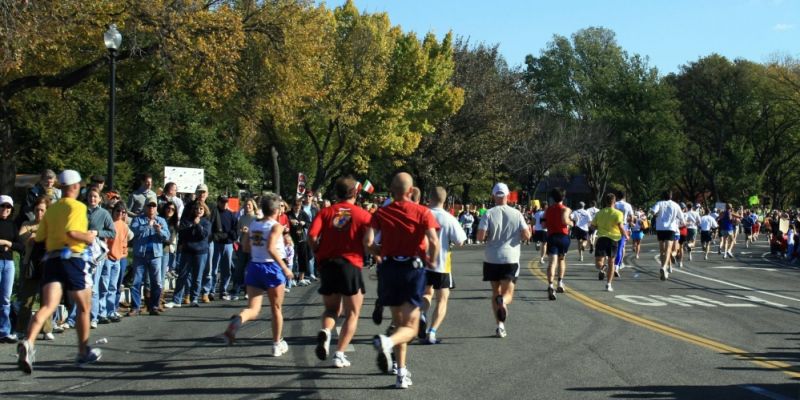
[118, 247]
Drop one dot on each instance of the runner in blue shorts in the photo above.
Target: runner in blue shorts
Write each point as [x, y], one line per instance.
[266, 273]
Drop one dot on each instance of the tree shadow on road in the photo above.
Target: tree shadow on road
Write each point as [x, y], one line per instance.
[727, 392]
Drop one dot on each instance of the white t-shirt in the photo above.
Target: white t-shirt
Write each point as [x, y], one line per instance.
[692, 219]
[537, 217]
[450, 232]
[582, 219]
[259, 232]
[593, 211]
[668, 216]
[503, 226]
[707, 223]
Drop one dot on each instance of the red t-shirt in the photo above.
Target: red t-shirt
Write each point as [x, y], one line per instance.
[340, 228]
[403, 225]
[554, 220]
[283, 219]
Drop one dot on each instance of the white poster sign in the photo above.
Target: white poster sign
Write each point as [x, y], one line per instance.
[187, 179]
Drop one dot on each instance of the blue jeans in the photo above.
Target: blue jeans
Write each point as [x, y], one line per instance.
[242, 259]
[222, 263]
[190, 276]
[95, 306]
[151, 265]
[167, 263]
[123, 267]
[108, 289]
[6, 285]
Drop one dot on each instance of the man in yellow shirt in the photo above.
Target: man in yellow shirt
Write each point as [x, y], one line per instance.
[610, 229]
[64, 229]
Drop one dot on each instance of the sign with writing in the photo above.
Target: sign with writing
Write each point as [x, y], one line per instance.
[187, 179]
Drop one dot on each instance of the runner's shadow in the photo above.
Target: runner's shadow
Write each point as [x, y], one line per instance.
[729, 392]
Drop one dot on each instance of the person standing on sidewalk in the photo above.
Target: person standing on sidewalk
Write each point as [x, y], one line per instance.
[64, 229]
[149, 233]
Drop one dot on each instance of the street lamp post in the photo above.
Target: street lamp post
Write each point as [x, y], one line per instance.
[112, 39]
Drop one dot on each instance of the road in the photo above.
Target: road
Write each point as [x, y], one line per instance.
[717, 329]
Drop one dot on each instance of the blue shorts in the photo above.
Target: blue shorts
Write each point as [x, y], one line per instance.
[401, 282]
[637, 235]
[72, 273]
[557, 244]
[264, 276]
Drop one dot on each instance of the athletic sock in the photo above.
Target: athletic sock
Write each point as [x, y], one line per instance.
[402, 371]
[501, 325]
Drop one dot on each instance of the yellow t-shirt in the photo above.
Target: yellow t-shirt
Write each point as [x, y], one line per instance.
[607, 222]
[64, 216]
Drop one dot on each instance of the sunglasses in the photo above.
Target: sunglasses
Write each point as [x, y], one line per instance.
[152, 205]
[170, 208]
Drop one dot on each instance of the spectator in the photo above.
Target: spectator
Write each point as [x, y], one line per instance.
[45, 187]
[249, 212]
[9, 242]
[31, 271]
[223, 233]
[193, 234]
[149, 233]
[100, 221]
[299, 222]
[169, 211]
[118, 260]
[170, 195]
[139, 197]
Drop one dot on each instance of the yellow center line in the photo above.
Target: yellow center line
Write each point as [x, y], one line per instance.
[788, 369]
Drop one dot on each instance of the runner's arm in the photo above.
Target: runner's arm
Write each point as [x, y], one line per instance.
[433, 247]
[275, 240]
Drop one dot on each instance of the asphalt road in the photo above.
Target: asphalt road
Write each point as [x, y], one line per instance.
[717, 329]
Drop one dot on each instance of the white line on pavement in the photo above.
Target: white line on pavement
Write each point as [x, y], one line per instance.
[739, 286]
[752, 268]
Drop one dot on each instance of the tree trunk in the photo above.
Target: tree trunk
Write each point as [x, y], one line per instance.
[465, 193]
[8, 163]
[276, 170]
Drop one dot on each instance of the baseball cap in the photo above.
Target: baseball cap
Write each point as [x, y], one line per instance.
[500, 189]
[69, 177]
[201, 188]
[112, 194]
[151, 200]
[4, 199]
[222, 197]
[48, 173]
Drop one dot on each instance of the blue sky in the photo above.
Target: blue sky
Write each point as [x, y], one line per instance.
[671, 33]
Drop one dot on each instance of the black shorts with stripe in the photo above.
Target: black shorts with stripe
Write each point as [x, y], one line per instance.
[339, 276]
[500, 272]
[439, 280]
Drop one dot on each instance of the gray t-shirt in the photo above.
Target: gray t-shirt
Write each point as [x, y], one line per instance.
[503, 226]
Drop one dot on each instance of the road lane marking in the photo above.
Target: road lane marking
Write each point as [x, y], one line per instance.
[750, 268]
[738, 286]
[722, 348]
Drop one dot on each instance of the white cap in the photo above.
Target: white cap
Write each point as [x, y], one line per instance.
[69, 177]
[201, 188]
[500, 189]
[7, 200]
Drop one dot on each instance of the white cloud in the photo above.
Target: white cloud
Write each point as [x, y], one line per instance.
[783, 27]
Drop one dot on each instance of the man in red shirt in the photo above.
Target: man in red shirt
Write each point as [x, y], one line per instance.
[338, 236]
[558, 222]
[404, 227]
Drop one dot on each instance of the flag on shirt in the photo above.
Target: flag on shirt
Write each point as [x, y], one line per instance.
[368, 187]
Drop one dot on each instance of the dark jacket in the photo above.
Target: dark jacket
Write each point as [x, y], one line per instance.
[8, 231]
[193, 238]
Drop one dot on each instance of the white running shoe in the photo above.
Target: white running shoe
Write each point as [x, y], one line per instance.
[705, 256]
[384, 346]
[609, 288]
[340, 360]
[403, 381]
[669, 270]
[581, 257]
[500, 332]
[680, 264]
[172, 305]
[48, 336]
[541, 260]
[323, 344]
[690, 256]
[280, 348]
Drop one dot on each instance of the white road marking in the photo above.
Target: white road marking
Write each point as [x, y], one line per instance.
[738, 286]
[753, 268]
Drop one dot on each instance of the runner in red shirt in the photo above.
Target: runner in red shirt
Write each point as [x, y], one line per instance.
[338, 236]
[557, 218]
[403, 226]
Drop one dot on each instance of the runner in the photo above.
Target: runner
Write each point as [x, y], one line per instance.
[748, 222]
[558, 224]
[266, 273]
[440, 280]
[692, 222]
[683, 232]
[339, 236]
[540, 232]
[64, 229]
[404, 226]
[726, 230]
[580, 231]
[668, 216]
[707, 225]
[610, 224]
[637, 232]
[627, 216]
[592, 230]
[503, 228]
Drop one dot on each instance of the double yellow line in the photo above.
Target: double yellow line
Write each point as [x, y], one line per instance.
[788, 369]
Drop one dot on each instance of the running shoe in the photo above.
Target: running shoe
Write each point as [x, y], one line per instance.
[384, 346]
[500, 332]
[93, 324]
[92, 356]
[230, 334]
[403, 381]
[502, 311]
[601, 275]
[680, 264]
[705, 257]
[616, 273]
[730, 254]
[669, 269]
[10, 338]
[323, 344]
[394, 368]
[280, 348]
[432, 338]
[340, 360]
[25, 356]
[609, 288]
[423, 326]
[172, 305]
[664, 275]
[541, 260]
[560, 288]
[690, 256]
[551, 293]
[581, 257]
